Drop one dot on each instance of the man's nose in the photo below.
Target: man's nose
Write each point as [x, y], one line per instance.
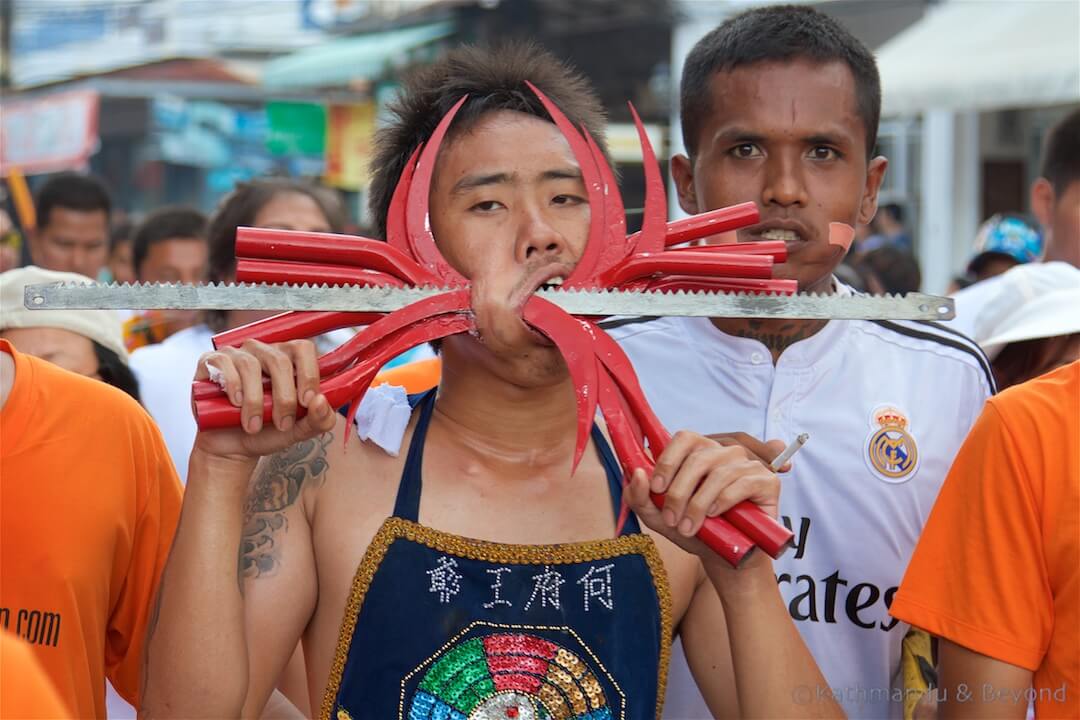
[784, 182]
[536, 236]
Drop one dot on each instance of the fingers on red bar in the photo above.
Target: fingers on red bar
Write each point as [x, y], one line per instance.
[769, 534]
[301, 324]
[340, 389]
[624, 427]
[738, 530]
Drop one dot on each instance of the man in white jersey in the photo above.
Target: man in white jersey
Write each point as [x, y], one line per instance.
[780, 106]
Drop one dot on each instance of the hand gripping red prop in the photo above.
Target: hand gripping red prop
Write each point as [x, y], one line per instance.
[602, 375]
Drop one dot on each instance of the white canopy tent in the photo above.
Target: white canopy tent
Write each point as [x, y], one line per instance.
[984, 55]
[963, 58]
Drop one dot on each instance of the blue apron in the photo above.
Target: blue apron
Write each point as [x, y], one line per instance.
[444, 627]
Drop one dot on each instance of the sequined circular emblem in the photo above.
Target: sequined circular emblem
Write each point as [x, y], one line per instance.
[509, 676]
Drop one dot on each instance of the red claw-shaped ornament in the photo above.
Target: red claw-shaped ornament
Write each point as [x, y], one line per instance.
[602, 375]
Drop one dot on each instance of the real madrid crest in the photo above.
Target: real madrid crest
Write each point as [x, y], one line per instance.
[891, 451]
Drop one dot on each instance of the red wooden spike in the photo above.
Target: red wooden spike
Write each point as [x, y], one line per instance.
[654, 222]
[616, 246]
[397, 235]
[360, 344]
[725, 540]
[363, 342]
[575, 339]
[746, 517]
[708, 264]
[691, 283]
[329, 249]
[776, 249]
[584, 274]
[417, 216]
[293, 325]
[273, 271]
[217, 412]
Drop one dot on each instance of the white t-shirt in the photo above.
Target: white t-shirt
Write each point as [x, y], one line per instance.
[164, 371]
[887, 405]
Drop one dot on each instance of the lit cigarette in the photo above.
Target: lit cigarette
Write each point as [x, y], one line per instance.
[782, 458]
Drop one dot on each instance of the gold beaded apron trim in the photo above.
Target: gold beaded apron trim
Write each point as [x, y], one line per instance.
[394, 528]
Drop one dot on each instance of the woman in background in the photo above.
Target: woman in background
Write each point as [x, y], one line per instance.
[87, 342]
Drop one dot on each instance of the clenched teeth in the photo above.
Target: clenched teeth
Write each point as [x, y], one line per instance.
[784, 235]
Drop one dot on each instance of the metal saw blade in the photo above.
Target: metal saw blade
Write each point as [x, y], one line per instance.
[595, 303]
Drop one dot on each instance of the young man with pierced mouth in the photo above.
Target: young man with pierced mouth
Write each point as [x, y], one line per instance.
[780, 107]
[470, 575]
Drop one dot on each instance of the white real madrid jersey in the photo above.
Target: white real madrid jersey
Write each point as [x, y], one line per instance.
[887, 405]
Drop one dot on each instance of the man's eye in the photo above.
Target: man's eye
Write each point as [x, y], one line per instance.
[822, 152]
[486, 206]
[745, 150]
[568, 200]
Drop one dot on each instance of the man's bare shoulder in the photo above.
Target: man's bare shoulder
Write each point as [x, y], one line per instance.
[336, 486]
[361, 464]
[358, 489]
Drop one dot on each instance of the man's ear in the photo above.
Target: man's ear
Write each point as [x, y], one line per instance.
[682, 172]
[875, 174]
[1042, 202]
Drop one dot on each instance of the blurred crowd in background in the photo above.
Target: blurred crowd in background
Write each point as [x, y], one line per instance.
[137, 136]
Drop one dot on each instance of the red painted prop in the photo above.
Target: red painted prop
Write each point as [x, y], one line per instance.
[602, 375]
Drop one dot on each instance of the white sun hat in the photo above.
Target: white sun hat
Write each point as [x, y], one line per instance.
[1042, 301]
[101, 326]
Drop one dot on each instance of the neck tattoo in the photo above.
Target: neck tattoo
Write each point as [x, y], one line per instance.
[776, 336]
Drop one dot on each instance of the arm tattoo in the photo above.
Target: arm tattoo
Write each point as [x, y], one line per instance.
[275, 489]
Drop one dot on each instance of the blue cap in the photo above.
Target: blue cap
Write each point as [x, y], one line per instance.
[1010, 235]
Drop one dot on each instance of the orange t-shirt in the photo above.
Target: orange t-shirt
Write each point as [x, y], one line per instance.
[997, 569]
[25, 690]
[89, 502]
[415, 377]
